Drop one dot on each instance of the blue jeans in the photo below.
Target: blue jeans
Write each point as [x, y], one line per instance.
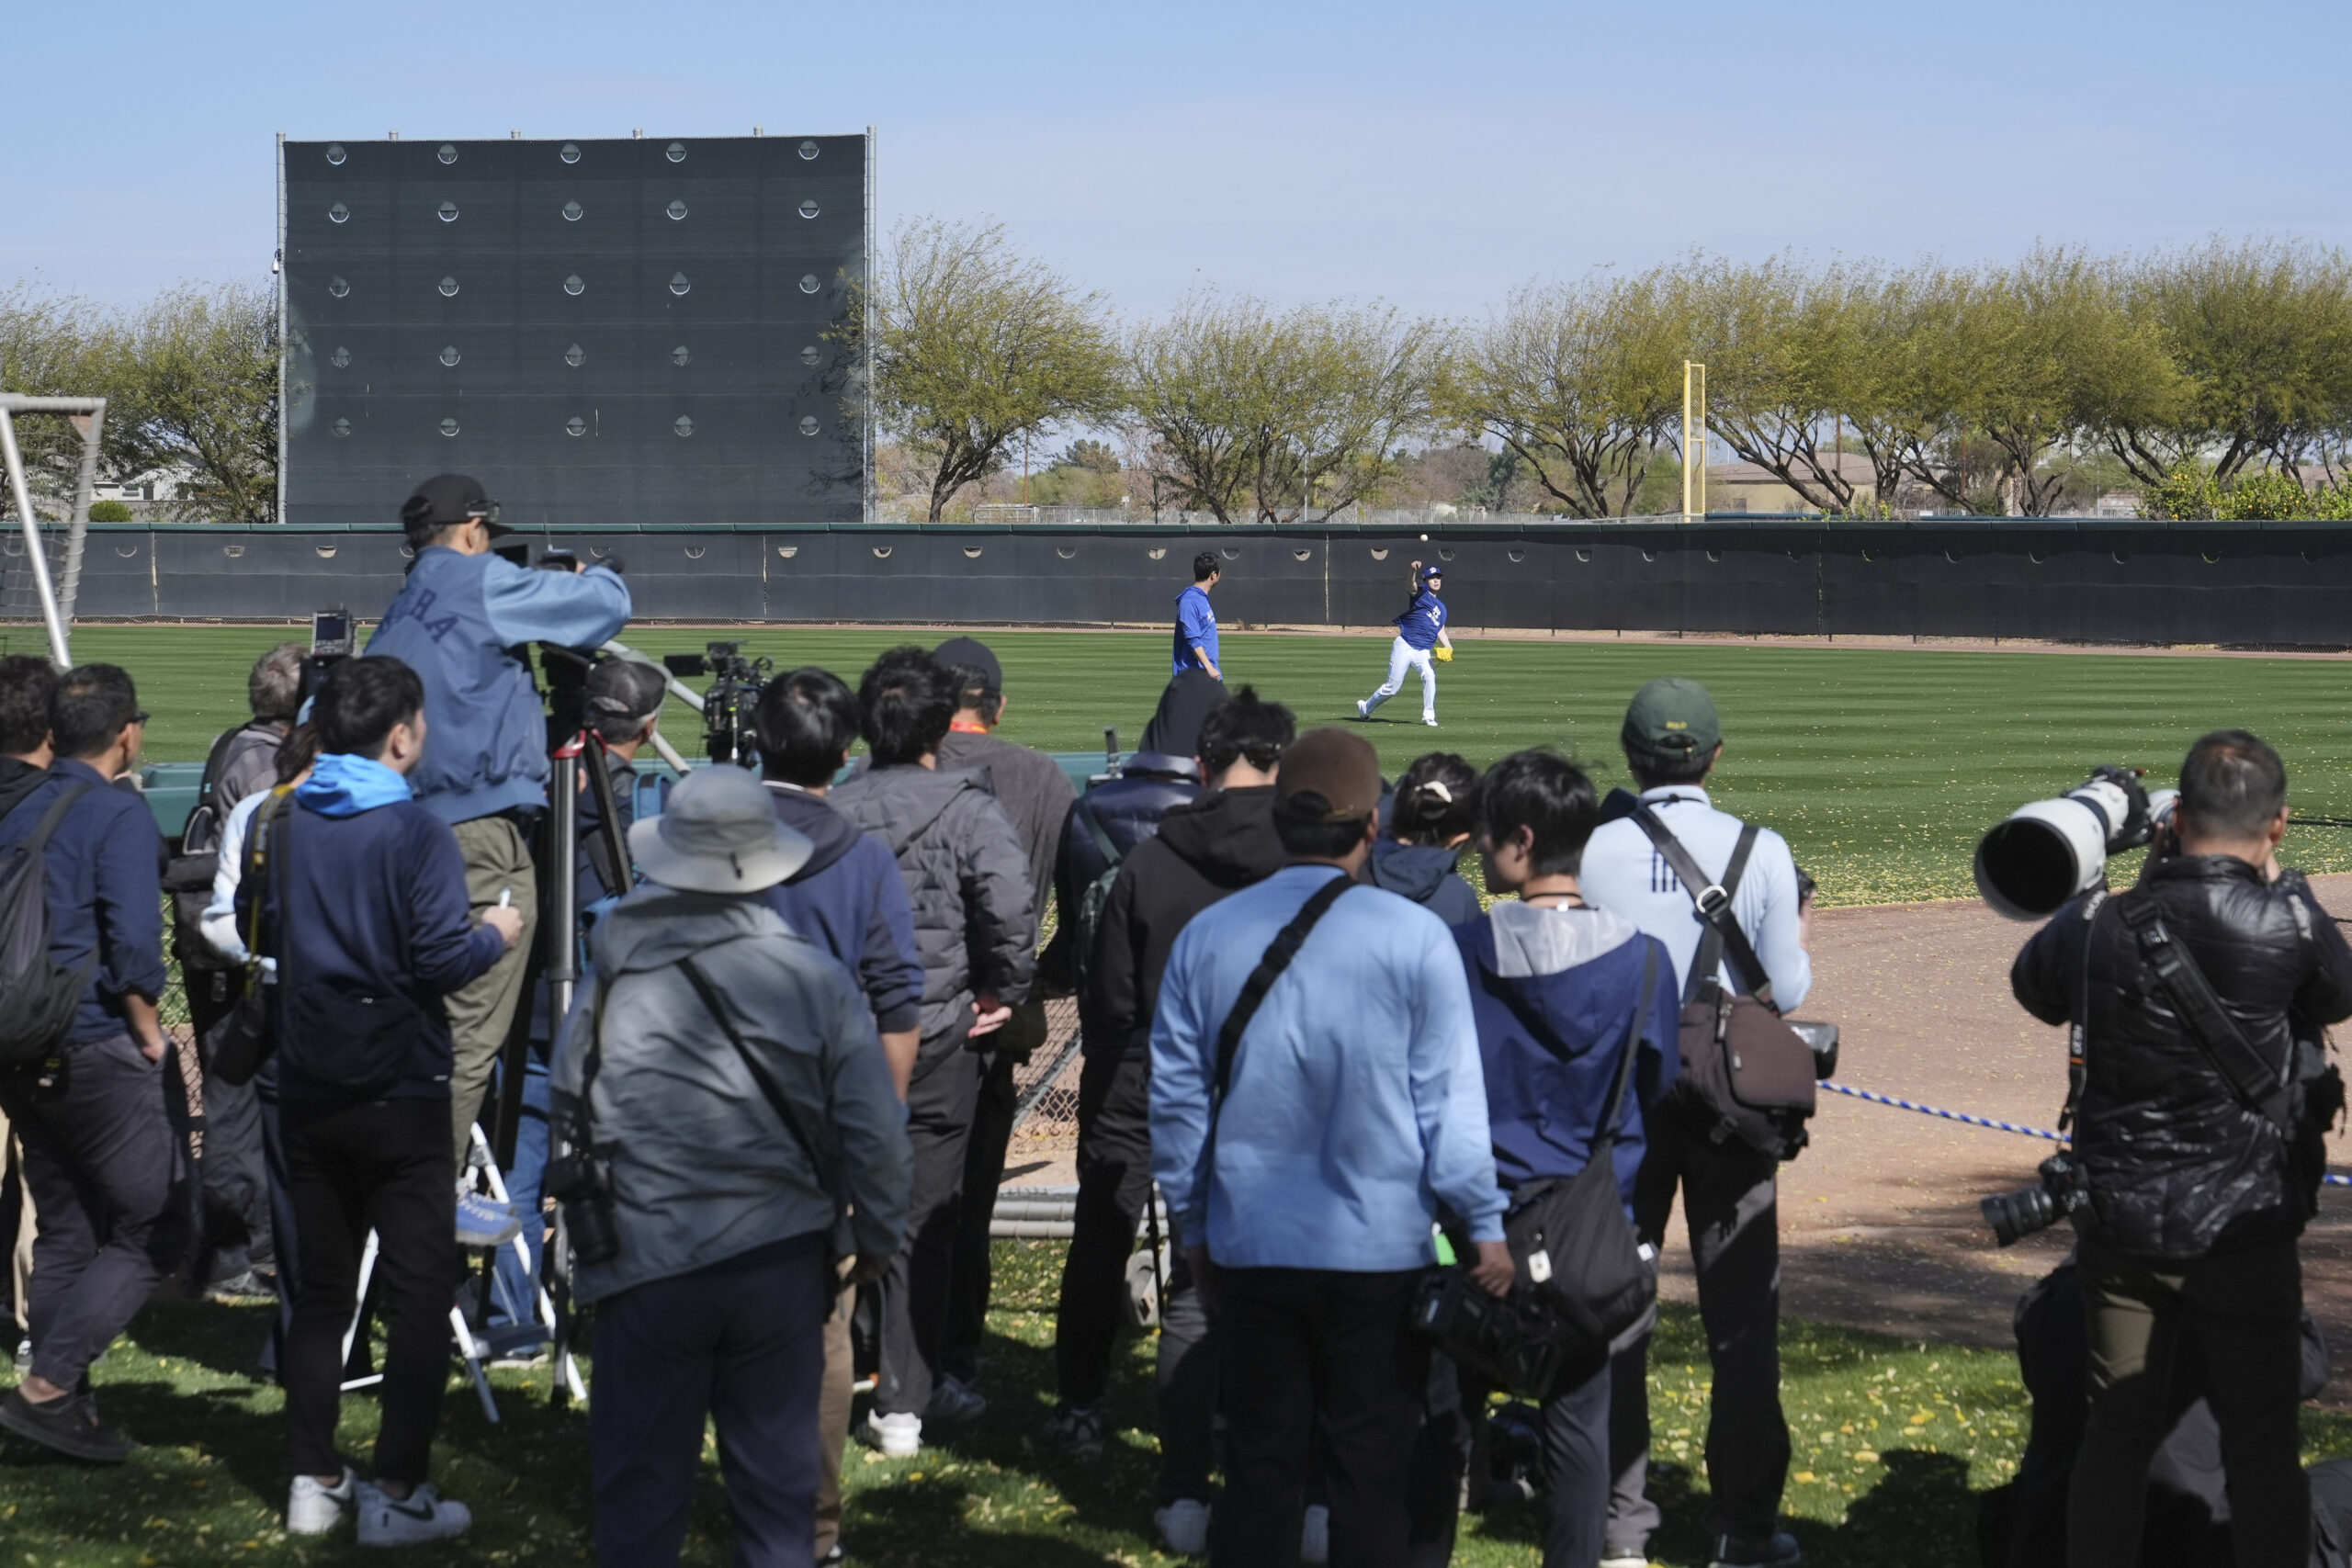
[512, 1299]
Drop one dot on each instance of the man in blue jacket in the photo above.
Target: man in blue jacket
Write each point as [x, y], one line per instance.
[461, 624]
[108, 1175]
[1303, 1189]
[364, 918]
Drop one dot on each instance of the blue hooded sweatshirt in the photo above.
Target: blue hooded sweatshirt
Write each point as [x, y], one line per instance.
[457, 623]
[1553, 993]
[374, 918]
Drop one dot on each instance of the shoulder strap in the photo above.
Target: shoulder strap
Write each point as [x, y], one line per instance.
[43, 831]
[263, 857]
[2256, 1083]
[1605, 1130]
[794, 1119]
[1713, 900]
[1278, 953]
[210, 781]
[1094, 826]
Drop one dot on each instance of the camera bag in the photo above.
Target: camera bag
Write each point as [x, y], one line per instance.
[1572, 1248]
[42, 995]
[244, 1038]
[1750, 1070]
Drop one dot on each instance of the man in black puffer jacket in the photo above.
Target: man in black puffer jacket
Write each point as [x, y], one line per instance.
[2195, 1198]
[976, 929]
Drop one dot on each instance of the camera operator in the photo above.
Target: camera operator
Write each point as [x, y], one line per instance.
[713, 1060]
[2196, 1189]
[235, 1244]
[461, 623]
[975, 926]
[1672, 737]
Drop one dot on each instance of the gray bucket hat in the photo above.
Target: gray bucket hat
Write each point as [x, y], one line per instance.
[718, 834]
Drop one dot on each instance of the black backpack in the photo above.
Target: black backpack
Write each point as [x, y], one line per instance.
[40, 994]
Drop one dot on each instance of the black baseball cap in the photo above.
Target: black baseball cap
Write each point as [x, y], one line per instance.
[445, 501]
[970, 653]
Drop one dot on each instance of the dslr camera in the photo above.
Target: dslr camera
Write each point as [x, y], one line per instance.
[2021, 1213]
[581, 1185]
[727, 733]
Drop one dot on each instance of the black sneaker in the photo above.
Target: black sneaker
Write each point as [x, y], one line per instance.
[1779, 1550]
[1074, 1431]
[71, 1425]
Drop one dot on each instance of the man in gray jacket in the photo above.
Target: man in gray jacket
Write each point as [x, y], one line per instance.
[975, 928]
[717, 1065]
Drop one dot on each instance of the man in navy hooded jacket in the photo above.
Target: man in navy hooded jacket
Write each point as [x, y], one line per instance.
[365, 920]
[461, 624]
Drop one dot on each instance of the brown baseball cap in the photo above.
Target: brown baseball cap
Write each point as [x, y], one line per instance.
[1328, 775]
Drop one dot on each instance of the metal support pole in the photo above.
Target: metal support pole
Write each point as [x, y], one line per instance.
[1694, 440]
[35, 551]
[563, 963]
[77, 532]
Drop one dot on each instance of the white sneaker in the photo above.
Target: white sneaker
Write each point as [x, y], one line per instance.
[313, 1509]
[1364, 707]
[1626, 1558]
[1315, 1535]
[898, 1435]
[1184, 1526]
[1430, 720]
[423, 1515]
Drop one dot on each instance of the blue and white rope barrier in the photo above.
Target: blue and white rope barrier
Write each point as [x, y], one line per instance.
[1998, 1126]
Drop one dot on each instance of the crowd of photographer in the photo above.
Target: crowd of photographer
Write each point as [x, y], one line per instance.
[1390, 1153]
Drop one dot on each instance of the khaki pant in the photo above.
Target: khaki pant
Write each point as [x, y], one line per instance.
[497, 861]
[833, 1399]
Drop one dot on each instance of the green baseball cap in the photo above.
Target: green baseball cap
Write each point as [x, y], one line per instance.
[1674, 719]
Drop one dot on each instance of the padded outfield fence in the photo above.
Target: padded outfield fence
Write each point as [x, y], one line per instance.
[2088, 580]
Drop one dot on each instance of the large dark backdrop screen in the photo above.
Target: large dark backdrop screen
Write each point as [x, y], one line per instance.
[630, 332]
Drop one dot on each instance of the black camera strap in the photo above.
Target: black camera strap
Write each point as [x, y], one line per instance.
[1713, 900]
[819, 1149]
[2259, 1085]
[1278, 953]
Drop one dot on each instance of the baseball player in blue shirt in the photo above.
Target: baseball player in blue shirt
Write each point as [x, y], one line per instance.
[1419, 630]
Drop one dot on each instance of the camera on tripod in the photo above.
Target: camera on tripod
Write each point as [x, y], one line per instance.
[727, 733]
[2021, 1213]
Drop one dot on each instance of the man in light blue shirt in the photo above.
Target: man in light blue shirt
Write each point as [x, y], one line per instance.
[1672, 737]
[1354, 1115]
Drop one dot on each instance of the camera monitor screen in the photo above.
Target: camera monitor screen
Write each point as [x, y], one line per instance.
[641, 331]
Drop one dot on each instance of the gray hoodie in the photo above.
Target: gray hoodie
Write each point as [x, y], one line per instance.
[703, 1168]
[976, 919]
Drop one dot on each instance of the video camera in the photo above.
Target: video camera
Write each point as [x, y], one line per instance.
[727, 733]
[2049, 851]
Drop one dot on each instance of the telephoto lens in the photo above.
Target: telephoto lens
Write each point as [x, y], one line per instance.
[2018, 1214]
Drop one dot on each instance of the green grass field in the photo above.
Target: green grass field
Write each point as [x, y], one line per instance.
[1892, 1443]
[1881, 766]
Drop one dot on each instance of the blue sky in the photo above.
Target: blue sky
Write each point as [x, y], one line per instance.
[1432, 155]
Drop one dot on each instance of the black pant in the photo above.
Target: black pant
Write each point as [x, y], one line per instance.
[740, 1342]
[234, 1232]
[386, 1166]
[940, 1105]
[970, 1275]
[2242, 1311]
[1302, 1344]
[1578, 1477]
[1113, 1184]
[110, 1198]
[1729, 1195]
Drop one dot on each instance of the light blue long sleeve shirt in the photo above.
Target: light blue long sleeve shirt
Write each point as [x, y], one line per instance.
[1624, 872]
[1357, 1105]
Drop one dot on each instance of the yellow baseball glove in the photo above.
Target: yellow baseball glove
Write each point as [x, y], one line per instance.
[1442, 654]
